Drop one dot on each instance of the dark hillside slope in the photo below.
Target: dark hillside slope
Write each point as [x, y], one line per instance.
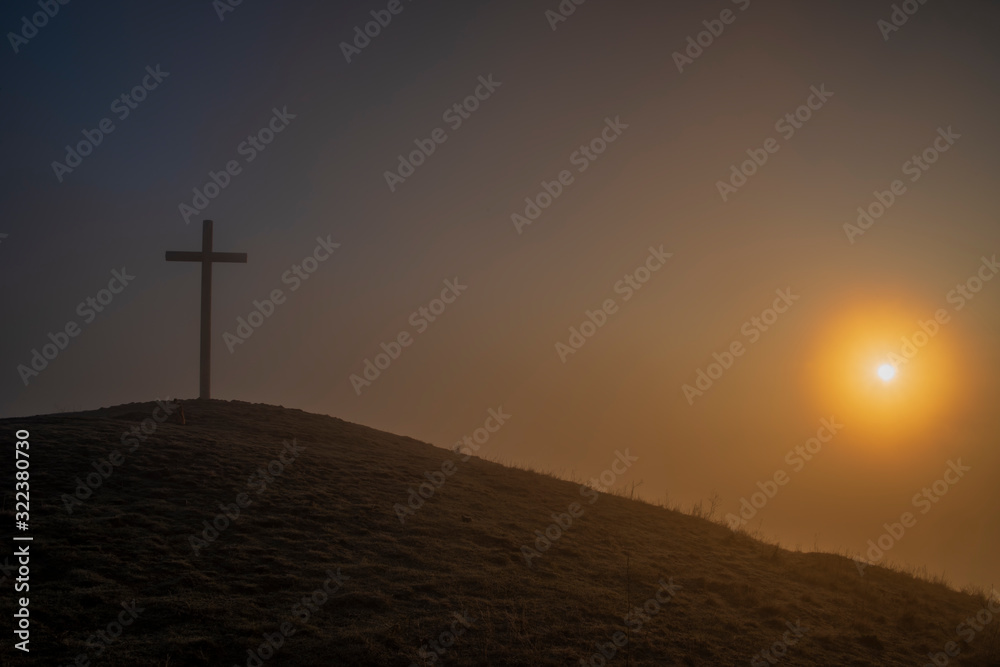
[322, 526]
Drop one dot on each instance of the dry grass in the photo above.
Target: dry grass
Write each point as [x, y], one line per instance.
[333, 508]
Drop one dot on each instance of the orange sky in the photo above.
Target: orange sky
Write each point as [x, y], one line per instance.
[624, 155]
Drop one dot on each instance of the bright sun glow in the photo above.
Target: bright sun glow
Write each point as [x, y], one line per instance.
[886, 372]
[864, 368]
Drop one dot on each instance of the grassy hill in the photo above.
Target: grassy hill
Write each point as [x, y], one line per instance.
[318, 562]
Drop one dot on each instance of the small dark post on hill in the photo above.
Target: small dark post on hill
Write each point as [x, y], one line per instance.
[207, 257]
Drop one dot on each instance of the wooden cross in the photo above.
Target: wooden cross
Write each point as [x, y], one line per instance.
[206, 257]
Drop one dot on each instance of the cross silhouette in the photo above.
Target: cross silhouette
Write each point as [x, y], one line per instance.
[206, 257]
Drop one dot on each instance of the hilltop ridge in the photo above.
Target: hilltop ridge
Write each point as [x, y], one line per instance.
[255, 534]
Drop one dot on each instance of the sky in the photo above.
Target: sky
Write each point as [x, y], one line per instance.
[690, 231]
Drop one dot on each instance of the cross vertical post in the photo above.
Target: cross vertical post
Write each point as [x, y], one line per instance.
[206, 258]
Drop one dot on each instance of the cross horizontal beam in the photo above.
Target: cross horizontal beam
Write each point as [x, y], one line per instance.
[206, 257]
[185, 256]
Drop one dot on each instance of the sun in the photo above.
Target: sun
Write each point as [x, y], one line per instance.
[863, 367]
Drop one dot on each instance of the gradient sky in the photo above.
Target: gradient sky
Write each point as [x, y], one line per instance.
[655, 185]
